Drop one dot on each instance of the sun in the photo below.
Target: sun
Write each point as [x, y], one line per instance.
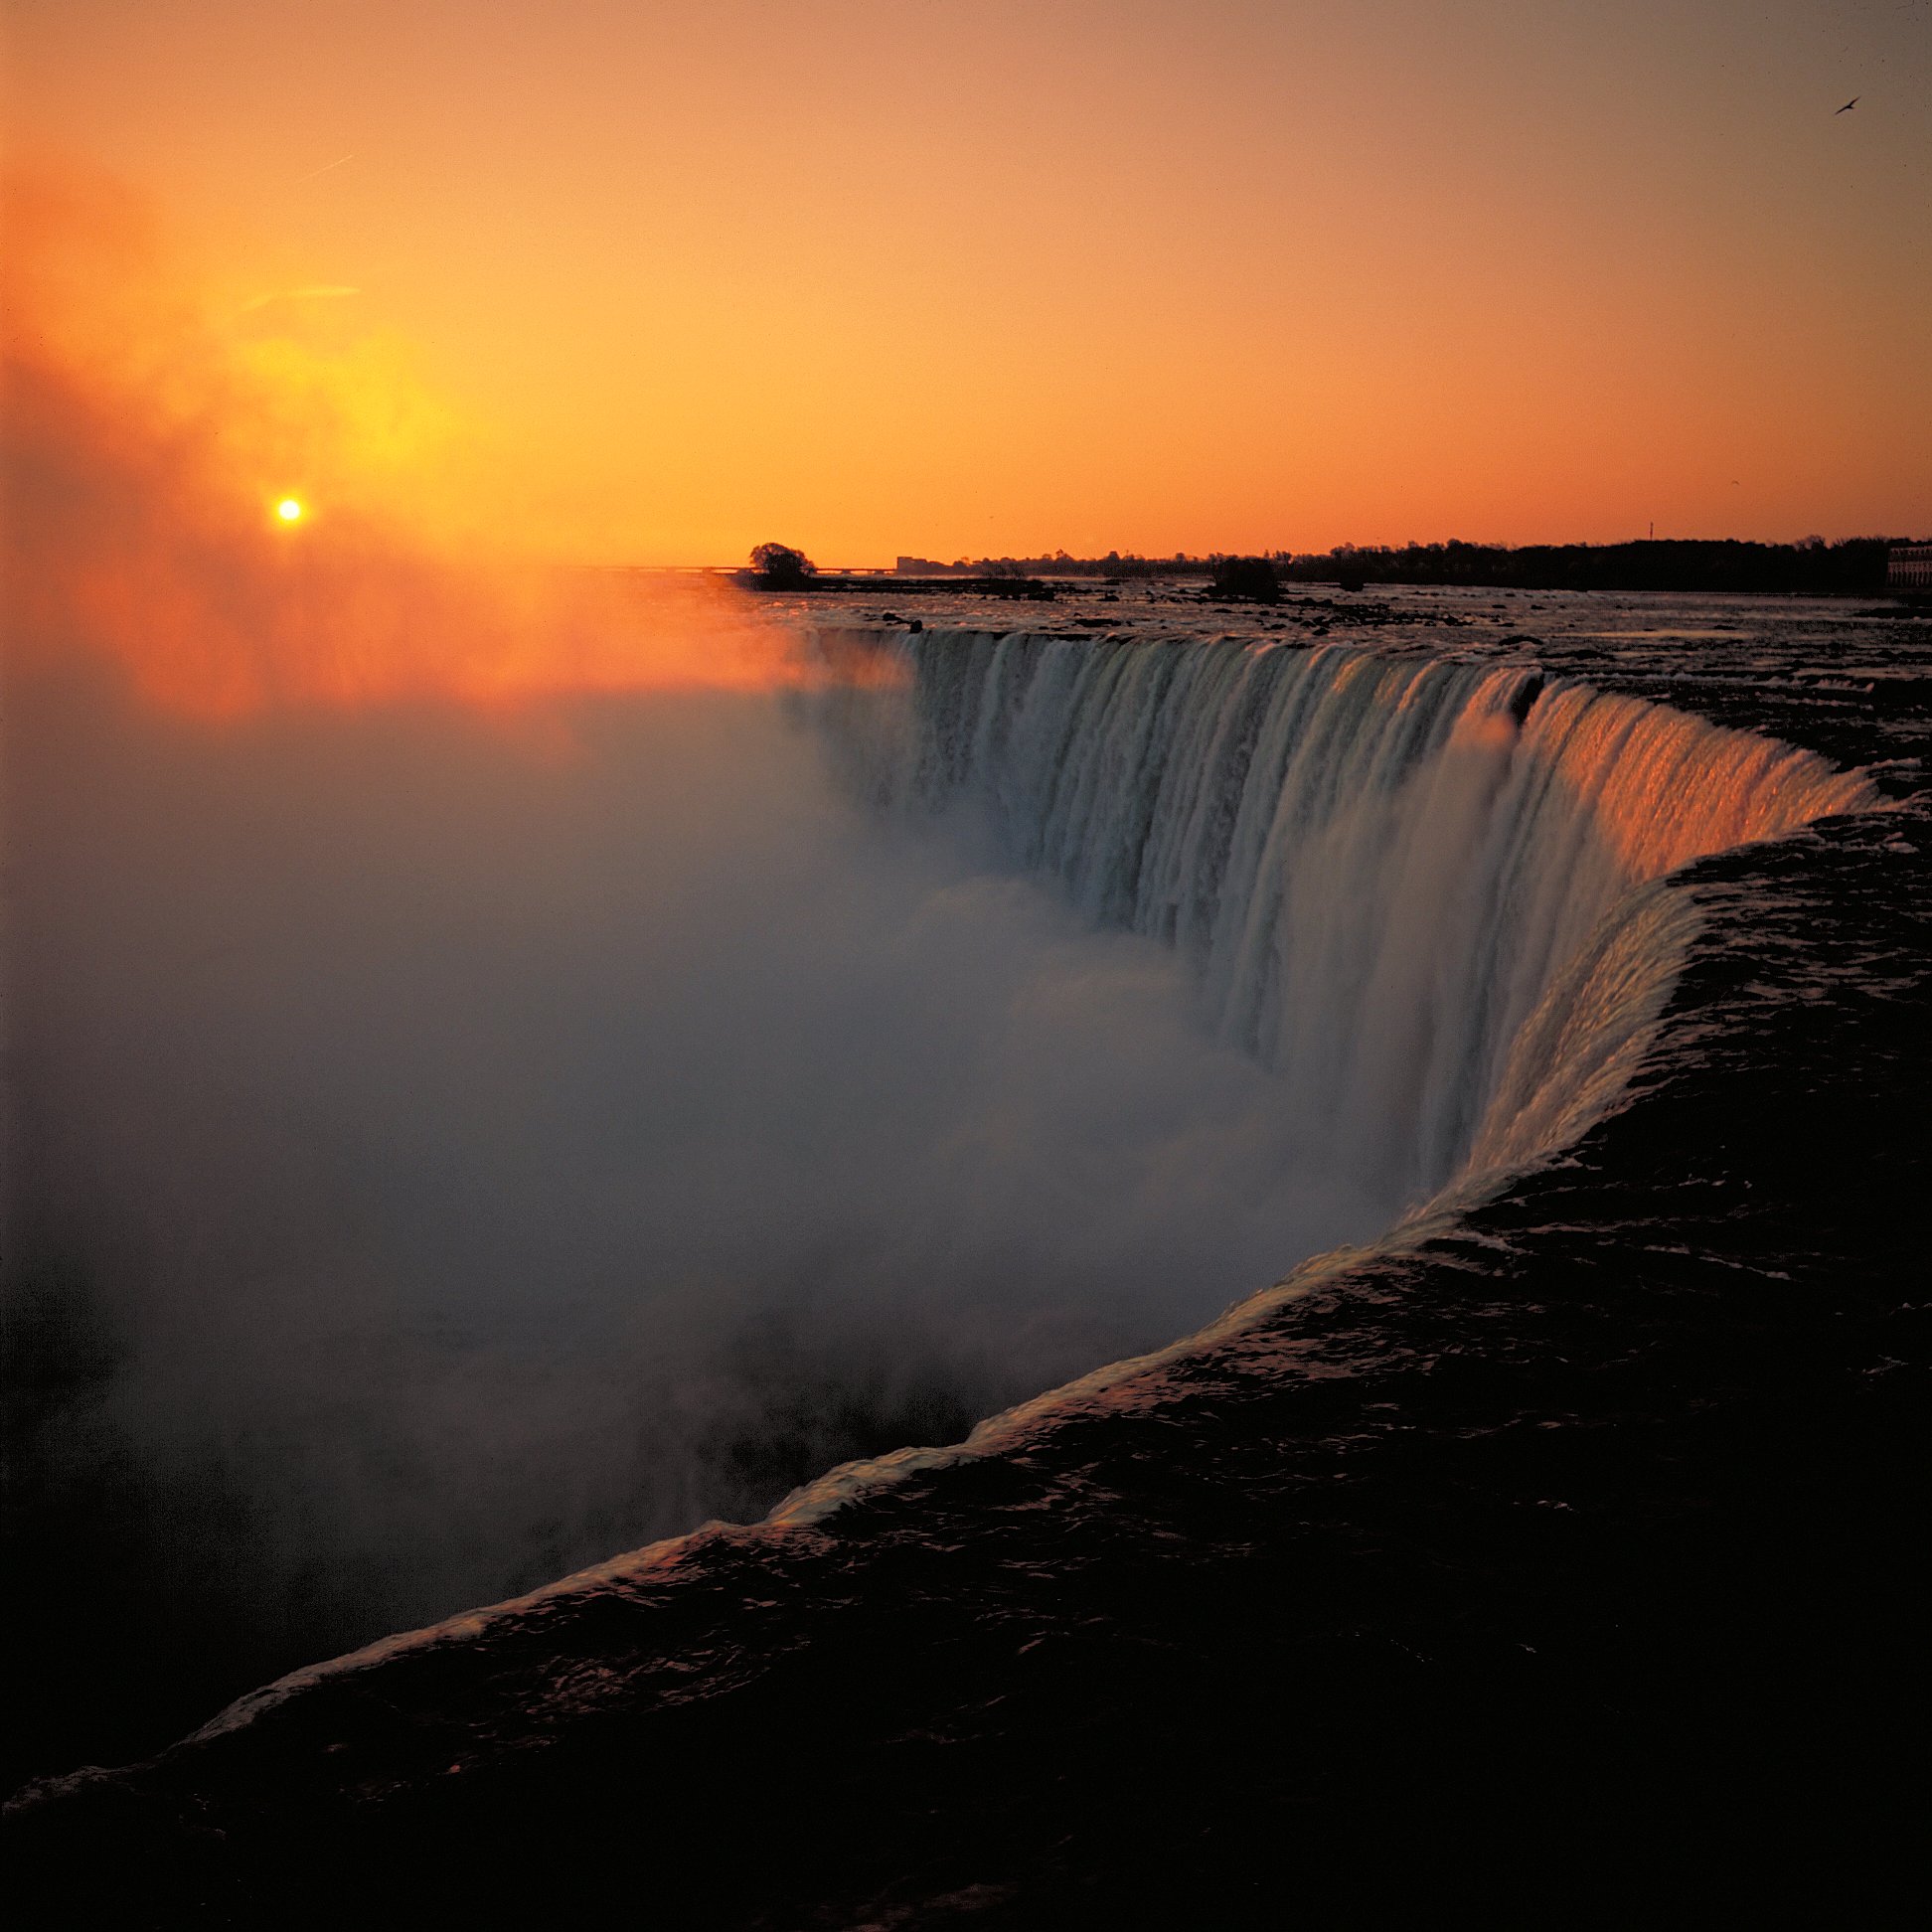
[290, 510]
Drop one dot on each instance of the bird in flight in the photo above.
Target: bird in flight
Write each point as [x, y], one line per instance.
[1848, 105]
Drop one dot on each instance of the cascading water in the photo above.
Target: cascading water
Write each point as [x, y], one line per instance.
[1539, 1500]
[1423, 891]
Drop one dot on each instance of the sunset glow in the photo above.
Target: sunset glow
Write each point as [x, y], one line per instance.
[652, 285]
[142, 420]
[964, 961]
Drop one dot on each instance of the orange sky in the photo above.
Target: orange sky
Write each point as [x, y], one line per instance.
[655, 282]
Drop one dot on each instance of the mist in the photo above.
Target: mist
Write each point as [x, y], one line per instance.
[474, 1152]
[486, 1089]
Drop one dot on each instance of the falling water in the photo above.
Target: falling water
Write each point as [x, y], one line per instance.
[1423, 893]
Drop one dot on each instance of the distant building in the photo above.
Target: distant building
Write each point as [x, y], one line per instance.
[1909, 567]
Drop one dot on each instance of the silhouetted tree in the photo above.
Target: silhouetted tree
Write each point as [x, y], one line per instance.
[1249, 577]
[780, 568]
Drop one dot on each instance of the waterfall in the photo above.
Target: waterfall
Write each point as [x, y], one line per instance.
[1426, 894]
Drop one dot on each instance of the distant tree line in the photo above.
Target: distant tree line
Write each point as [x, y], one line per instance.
[1854, 566]
[1060, 564]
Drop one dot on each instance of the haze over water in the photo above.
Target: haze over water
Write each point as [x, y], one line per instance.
[508, 1060]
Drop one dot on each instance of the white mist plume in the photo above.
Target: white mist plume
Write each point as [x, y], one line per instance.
[500, 1094]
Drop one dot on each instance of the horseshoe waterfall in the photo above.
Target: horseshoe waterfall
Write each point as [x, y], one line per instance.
[1421, 892]
[1539, 1533]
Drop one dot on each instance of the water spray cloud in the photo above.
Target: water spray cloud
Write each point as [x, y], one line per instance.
[141, 436]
